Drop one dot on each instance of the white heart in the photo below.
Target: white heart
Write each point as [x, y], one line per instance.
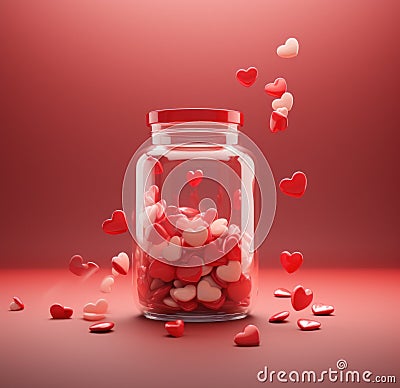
[288, 50]
[100, 307]
[173, 251]
[106, 284]
[286, 101]
[183, 294]
[207, 293]
[219, 227]
[170, 302]
[230, 272]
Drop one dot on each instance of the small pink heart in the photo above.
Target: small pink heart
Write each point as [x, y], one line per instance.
[288, 50]
[194, 178]
[294, 186]
[100, 307]
[301, 297]
[308, 324]
[116, 224]
[291, 261]
[247, 77]
[250, 336]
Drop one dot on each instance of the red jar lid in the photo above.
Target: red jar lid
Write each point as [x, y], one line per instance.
[182, 115]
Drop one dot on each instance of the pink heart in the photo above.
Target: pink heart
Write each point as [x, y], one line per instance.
[286, 101]
[294, 186]
[308, 324]
[194, 178]
[301, 297]
[207, 293]
[250, 336]
[121, 263]
[291, 261]
[100, 307]
[247, 77]
[288, 50]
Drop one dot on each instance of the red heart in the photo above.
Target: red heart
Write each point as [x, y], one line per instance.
[160, 293]
[194, 178]
[116, 224]
[189, 274]
[278, 122]
[250, 336]
[301, 298]
[101, 327]
[188, 306]
[247, 77]
[322, 309]
[282, 293]
[216, 305]
[291, 261]
[294, 186]
[277, 88]
[160, 270]
[239, 290]
[279, 317]
[58, 311]
[79, 268]
[308, 324]
[175, 328]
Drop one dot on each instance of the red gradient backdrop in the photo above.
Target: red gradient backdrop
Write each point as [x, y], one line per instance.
[77, 78]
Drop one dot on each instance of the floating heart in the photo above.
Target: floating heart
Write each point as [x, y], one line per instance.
[278, 122]
[279, 317]
[116, 224]
[308, 324]
[100, 307]
[58, 311]
[230, 272]
[16, 304]
[247, 77]
[106, 284]
[175, 328]
[173, 251]
[291, 261]
[79, 268]
[239, 290]
[183, 294]
[250, 336]
[294, 186]
[194, 178]
[101, 327]
[121, 263]
[301, 297]
[282, 293]
[288, 50]
[207, 293]
[286, 101]
[277, 88]
[93, 317]
[160, 270]
[322, 309]
[189, 274]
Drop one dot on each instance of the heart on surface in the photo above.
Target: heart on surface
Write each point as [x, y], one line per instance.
[250, 336]
[100, 307]
[58, 311]
[175, 328]
[308, 324]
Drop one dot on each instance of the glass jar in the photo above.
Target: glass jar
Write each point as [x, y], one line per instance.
[189, 199]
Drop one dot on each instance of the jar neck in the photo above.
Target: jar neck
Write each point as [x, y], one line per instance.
[201, 133]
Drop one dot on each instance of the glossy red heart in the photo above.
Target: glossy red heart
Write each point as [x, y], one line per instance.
[277, 88]
[282, 293]
[101, 327]
[175, 328]
[160, 270]
[291, 261]
[247, 77]
[301, 297]
[116, 224]
[250, 336]
[58, 311]
[279, 317]
[308, 324]
[294, 186]
[239, 290]
[278, 122]
[189, 274]
[322, 309]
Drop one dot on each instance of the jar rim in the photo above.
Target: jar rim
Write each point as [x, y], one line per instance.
[182, 115]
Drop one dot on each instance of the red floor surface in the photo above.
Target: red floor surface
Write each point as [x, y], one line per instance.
[39, 352]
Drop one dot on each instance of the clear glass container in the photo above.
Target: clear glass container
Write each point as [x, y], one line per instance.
[192, 215]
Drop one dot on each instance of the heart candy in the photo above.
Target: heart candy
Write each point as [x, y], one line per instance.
[189, 274]
[195, 238]
[106, 284]
[100, 307]
[160, 270]
[175, 328]
[291, 261]
[173, 251]
[101, 327]
[277, 88]
[279, 317]
[278, 122]
[194, 178]
[288, 50]
[58, 311]
[209, 215]
[308, 324]
[16, 304]
[219, 227]
[170, 302]
[286, 101]
[322, 309]
[250, 336]
[151, 196]
[230, 272]
[294, 186]
[79, 268]
[301, 297]
[207, 293]
[239, 290]
[282, 293]
[183, 294]
[121, 263]
[247, 77]
[284, 111]
[93, 317]
[156, 234]
[116, 224]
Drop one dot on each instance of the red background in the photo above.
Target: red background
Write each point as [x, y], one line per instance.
[78, 77]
